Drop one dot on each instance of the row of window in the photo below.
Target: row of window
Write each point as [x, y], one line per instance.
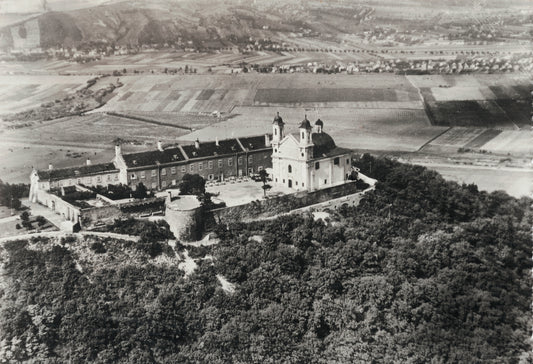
[199, 165]
[85, 180]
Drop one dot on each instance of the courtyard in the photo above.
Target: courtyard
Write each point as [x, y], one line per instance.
[242, 191]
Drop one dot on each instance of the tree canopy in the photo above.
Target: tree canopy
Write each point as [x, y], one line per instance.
[192, 184]
[422, 271]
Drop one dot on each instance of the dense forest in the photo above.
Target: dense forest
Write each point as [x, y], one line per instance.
[422, 271]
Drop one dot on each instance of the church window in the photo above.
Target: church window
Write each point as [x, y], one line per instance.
[303, 184]
[275, 131]
[290, 168]
[296, 183]
[302, 154]
[163, 172]
[317, 165]
[347, 161]
[336, 161]
[275, 150]
[325, 181]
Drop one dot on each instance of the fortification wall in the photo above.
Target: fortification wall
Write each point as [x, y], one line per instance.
[185, 225]
[277, 205]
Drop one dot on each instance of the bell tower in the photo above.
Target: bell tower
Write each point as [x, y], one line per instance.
[277, 132]
[306, 142]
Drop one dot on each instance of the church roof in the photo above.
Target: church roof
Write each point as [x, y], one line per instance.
[324, 146]
[319, 122]
[305, 124]
[278, 120]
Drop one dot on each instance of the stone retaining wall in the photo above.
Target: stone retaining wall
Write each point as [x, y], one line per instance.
[277, 205]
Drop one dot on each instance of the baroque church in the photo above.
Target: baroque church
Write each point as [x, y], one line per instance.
[307, 161]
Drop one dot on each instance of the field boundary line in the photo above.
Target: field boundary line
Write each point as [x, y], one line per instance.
[435, 137]
[146, 120]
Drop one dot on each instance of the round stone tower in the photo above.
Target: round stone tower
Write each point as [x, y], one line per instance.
[183, 215]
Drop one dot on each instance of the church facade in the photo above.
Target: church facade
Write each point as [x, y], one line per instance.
[307, 161]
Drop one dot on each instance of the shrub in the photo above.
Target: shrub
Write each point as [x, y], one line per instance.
[40, 220]
[25, 216]
[98, 247]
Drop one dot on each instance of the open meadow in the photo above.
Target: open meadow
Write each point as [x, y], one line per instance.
[372, 129]
[18, 93]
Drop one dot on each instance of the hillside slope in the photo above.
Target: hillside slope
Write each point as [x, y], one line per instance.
[445, 280]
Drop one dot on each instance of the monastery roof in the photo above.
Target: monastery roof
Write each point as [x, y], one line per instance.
[76, 172]
[210, 149]
[152, 157]
[254, 142]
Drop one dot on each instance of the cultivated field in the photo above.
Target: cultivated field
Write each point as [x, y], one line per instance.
[204, 93]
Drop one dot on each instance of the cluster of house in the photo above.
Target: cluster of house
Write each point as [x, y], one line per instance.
[304, 162]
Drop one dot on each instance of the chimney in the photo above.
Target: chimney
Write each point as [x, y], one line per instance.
[50, 166]
[216, 142]
[197, 144]
[159, 145]
[118, 150]
[88, 162]
[267, 140]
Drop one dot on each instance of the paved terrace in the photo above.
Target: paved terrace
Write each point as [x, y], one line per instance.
[235, 193]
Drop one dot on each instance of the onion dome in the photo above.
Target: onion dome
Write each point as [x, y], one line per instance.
[305, 124]
[278, 120]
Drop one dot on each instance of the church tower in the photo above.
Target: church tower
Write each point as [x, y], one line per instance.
[306, 142]
[277, 131]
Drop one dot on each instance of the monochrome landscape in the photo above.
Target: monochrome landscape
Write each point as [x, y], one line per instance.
[244, 181]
